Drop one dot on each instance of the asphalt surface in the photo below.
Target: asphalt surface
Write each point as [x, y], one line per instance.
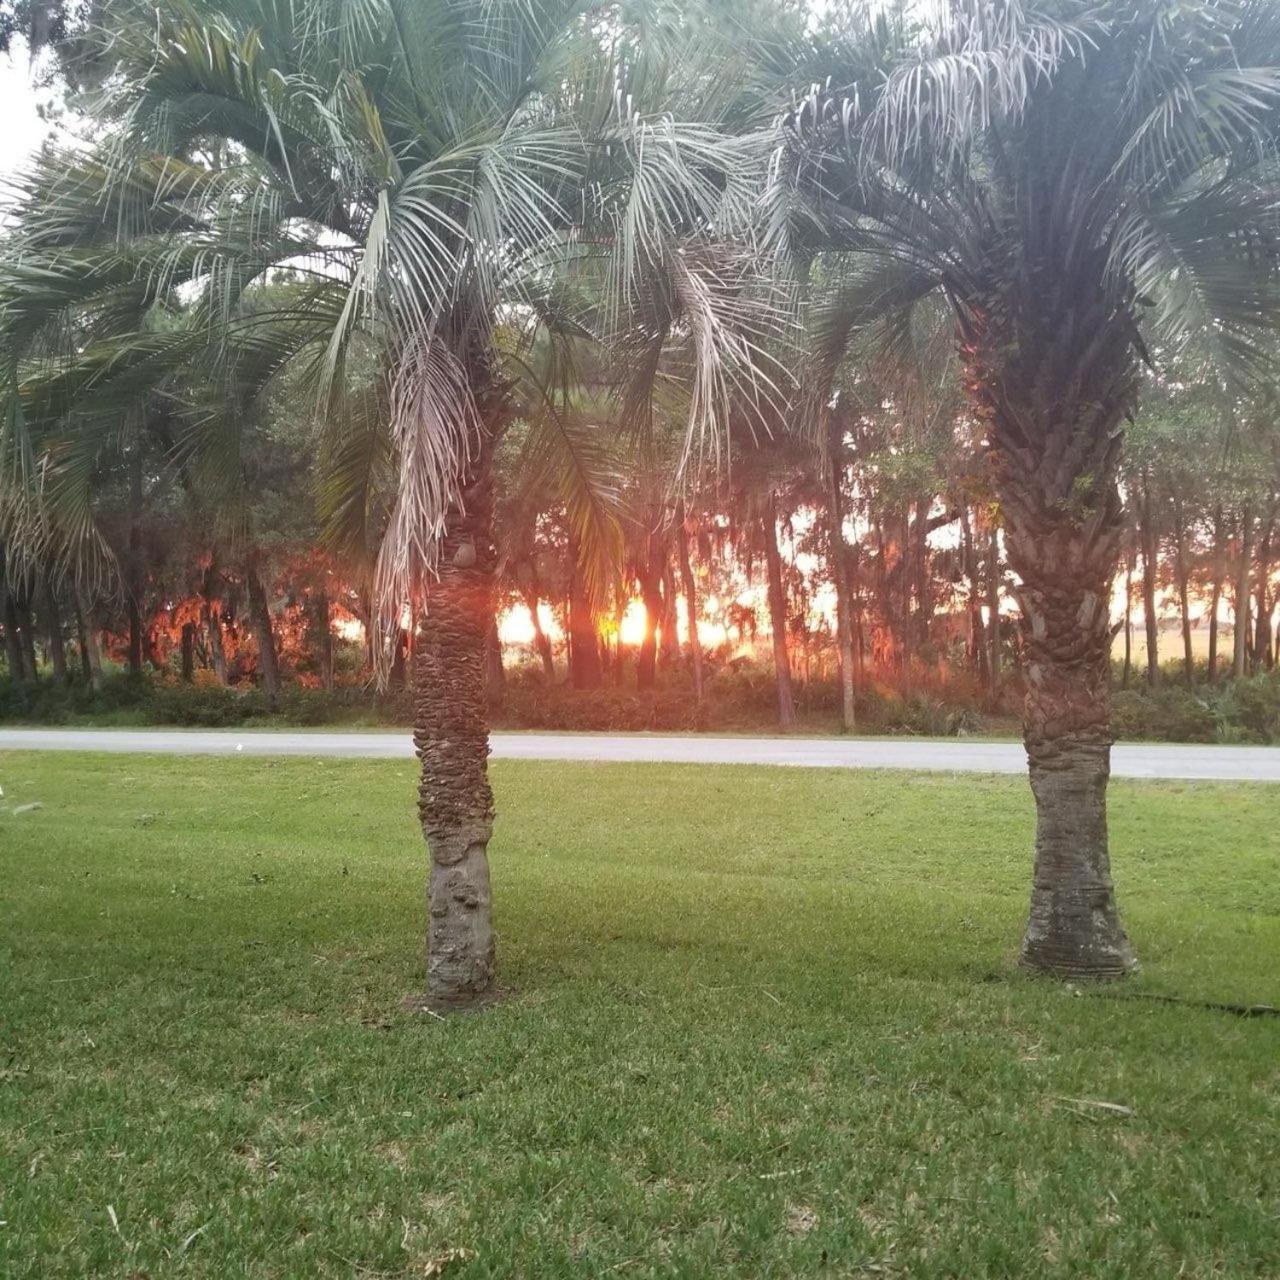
[1128, 760]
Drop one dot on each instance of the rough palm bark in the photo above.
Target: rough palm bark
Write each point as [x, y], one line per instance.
[778, 615]
[1052, 395]
[451, 734]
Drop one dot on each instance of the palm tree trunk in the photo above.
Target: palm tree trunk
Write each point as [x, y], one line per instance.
[260, 619]
[1240, 654]
[1052, 397]
[778, 616]
[838, 561]
[690, 587]
[188, 651]
[1074, 929]
[451, 734]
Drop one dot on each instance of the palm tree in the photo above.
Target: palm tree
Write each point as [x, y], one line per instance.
[1081, 185]
[439, 174]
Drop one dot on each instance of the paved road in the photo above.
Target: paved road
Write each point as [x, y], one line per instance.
[1129, 760]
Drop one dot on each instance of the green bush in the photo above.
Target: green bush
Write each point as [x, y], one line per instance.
[1252, 706]
[1170, 713]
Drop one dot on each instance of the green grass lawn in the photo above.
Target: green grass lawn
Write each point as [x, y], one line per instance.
[760, 1022]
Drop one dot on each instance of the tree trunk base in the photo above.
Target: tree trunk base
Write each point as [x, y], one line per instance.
[443, 1007]
[1108, 962]
[1074, 929]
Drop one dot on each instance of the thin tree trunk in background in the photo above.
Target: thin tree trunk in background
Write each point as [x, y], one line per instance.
[993, 605]
[690, 587]
[324, 631]
[217, 653]
[541, 641]
[260, 620]
[27, 632]
[82, 646]
[650, 576]
[451, 734]
[1262, 611]
[13, 640]
[923, 577]
[1150, 568]
[53, 626]
[495, 674]
[1216, 593]
[1240, 654]
[904, 602]
[133, 587]
[778, 616]
[669, 636]
[584, 648]
[977, 632]
[188, 651]
[838, 561]
[1130, 556]
[211, 615]
[90, 652]
[1184, 603]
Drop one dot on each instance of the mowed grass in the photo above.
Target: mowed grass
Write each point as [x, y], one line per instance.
[759, 1022]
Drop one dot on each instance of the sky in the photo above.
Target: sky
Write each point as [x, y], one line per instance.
[21, 129]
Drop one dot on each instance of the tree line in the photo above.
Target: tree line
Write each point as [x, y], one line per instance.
[976, 302]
